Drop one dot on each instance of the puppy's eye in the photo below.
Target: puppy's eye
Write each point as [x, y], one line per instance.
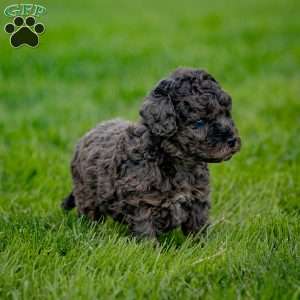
[200, 124]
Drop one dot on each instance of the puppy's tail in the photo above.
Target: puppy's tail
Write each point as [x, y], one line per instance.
[69, 202]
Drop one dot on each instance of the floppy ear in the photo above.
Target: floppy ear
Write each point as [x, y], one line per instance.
[157, 112]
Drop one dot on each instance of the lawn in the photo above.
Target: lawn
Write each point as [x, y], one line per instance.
[96, 61]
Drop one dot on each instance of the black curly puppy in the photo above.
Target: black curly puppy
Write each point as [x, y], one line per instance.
[153, 174]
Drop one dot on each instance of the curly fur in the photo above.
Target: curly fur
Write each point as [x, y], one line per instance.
[153, 174]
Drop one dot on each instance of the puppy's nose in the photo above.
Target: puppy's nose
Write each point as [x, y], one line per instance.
[231, 142]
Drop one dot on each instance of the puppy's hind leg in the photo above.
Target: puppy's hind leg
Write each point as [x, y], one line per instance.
[69, 202]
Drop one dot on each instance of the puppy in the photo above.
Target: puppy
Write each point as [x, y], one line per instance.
[153, 175]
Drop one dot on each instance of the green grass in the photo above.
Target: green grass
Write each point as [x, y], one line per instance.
[96, 61]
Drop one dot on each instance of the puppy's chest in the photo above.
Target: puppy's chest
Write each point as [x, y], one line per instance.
[144, 182]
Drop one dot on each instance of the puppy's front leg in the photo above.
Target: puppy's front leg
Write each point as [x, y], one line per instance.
[197, 220]
[142, 225]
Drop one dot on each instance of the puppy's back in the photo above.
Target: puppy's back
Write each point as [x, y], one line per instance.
[96, 148]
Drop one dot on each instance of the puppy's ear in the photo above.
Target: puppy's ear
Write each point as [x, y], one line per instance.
[157, 112]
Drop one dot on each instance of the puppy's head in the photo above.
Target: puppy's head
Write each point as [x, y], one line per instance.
[191, 111]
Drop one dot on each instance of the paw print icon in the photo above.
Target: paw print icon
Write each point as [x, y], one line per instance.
[24, 32]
